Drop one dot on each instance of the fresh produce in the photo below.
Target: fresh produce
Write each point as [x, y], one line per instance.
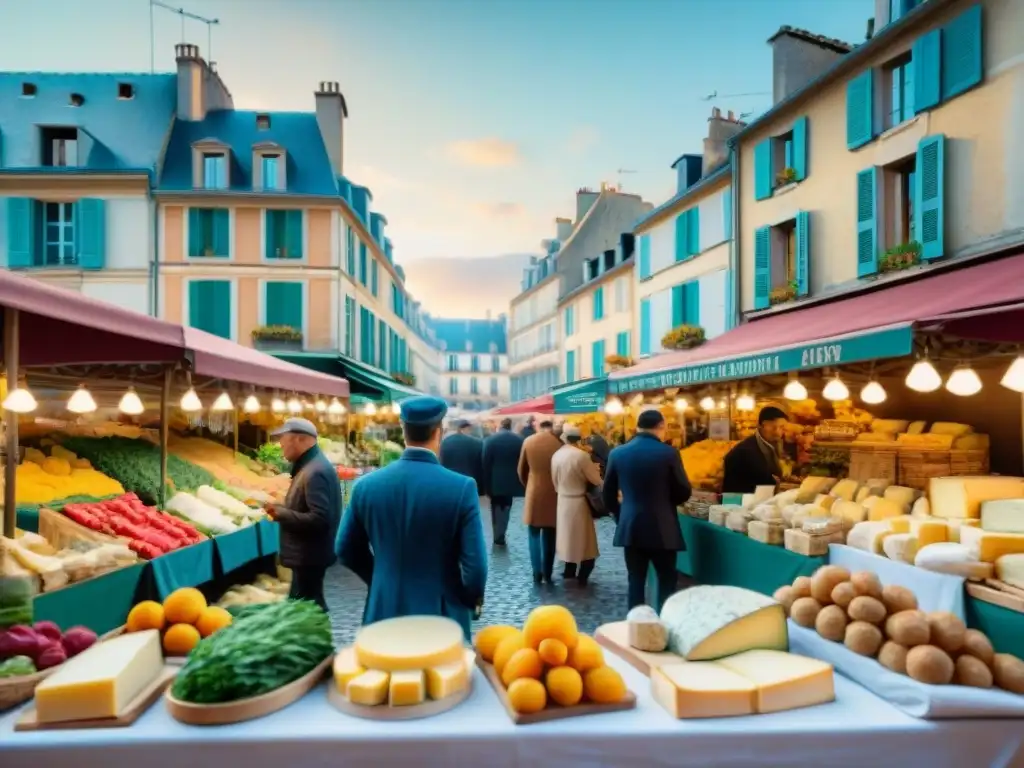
[16, 666]
[335, 451]
[266, 647]
[272, 455]
[228, 504]
[182, 619]
[40, 646]
[704, 462]
[16, 593]
[227, 466]
[149, 531]
[43, 480]
[200, 514]
[265, 589]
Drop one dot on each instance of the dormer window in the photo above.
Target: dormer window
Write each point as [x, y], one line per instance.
[125, 91]
[60, 147]
[28, 90]
[211, 168]
[262, 122]
[269, 170]
[269, 167]
[76, 100]
[215, 170]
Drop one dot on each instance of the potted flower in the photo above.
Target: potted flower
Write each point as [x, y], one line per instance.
[404, 377]
[785, 176]
[617, 362]
[277, 338]
[900, 257]
[683, 337]
[783, 294]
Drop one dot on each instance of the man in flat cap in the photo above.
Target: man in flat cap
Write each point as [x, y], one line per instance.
[413, 532]
[310, 513]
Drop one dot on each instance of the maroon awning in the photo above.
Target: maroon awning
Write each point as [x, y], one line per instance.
[542, 404]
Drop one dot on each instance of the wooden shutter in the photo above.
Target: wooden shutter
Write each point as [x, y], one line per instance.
[210, 306]
[645, 326]
[929, 194]
[763, 181]
[860, 120]
[374, 276]
[283, 304]
[91, 233]
[800, 148]
[645, 256]
[221, 232]
[867, 222]
[691, 302]
[693, 231]
[762, 267]
[196, 245]
[293, 234]
[962, 61]
[926, 62]
[21, 231]
[803, 249]
[678, 305]
[682, 236]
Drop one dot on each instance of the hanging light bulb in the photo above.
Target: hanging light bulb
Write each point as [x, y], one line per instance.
[745, 402]
[794, 390]
[1014, 376]
[396, 408]
[370, 409]
[321, 406]
[614, 407]
[835, 390]
[277, 405]
[336, 408]
[20, 400]
[222, 403]
[681, 404]
[294, 406]
[963, 381]
[707, 403]
[873, 393]
[923, 377]
[251, 405]
[190, 401]
[131, 403]
[81, 401]
[721, 405]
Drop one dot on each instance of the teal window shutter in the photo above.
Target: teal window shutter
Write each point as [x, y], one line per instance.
[763, 170]
[962, 63]
[270, 237]
[382, 341]
[645, 256]
[691, 302]
[929, 192]
[860, 114]
[730, 300]
[598, 302]
[925, 59]
[293, 234]
[362, 262]
[645, 326]
[209, 306]
[21, 231]
[727, 213]
[221, 232]
[693, 231]
[803, 253]
[867, 222]
[196, 244]
[283, 304]
[678, 305]
[622, 344]
[570, 366]
[568, 321]
[91, 232]
[682, 236]
[800, 148]
[350, 251]
[374, 277]
[762, 267]
[597, 359]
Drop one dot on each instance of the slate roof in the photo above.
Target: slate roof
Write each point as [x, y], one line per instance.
[125, 134]
[829, 43]
[453, 335]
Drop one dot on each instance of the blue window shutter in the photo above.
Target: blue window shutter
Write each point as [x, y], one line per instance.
[678, 305]
[362, 262]
[691, 300]
[800, 148]
[598, 303]
[727, 213]
[270, 234]
[867, 222]
[622, 344]
[21, 231]
[929, 194]
[803, 253]
[374, 277]
[570, 366]
[962, 61]
[293, 234]
[693, 230]
[682, 236]
[283, 304]
[645, 256]
[926, 62]
[210, 306]
[860, 118]
[597, 359]
[762, 267]
[730, 302]
[221, 232]
[195, 233]
[763, 170]
[91, 232]
[645, 326]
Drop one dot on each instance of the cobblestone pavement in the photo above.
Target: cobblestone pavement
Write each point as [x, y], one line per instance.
[511, 593]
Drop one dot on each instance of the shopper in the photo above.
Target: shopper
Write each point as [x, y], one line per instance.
[529, 429]
[309, 516]
[540, 509]
[755, 460]
[501, 476]
[462, 452]
[653, 483]
[574, 473]
[412, 531]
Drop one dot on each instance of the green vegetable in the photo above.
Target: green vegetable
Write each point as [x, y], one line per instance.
[267, 647]
[16, 666]
[272, 455]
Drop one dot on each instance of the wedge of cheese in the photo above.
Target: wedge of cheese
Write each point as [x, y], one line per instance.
[961, 497]
[849, 512]
[845, 489]
[957, 525]
[868, 536]
[824, 501]
[450, 679]
[901, 496]
[346, 669]
[929, 530]
[954, 559]
[784, 680]
[407, 688]
[970, 537]
[883, 509]
[901, 547]
[696, 689]
[1010, 568]
[899, 524]
[1003, 515]
[921, 508]
[370, 689]
[992, 546]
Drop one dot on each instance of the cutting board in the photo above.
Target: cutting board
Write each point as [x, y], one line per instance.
[614, 637]
[142, 702]
[428, 708]
[1013, 600]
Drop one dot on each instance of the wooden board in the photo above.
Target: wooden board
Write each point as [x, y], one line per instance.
[246, 709]
[1002, 586]
[384, 712]
[996, 597]
[142, 702]
[615, 638]
[553, 711]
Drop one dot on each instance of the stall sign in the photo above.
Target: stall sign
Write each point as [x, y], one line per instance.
[581, 396]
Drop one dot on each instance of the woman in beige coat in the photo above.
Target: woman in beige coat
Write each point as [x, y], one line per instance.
[573, 471]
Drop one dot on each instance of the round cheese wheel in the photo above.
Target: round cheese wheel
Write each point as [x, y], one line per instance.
[409, 642]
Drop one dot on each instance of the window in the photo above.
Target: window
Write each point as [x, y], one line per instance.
[269, 165]
[622, 344]
[622, 295]
[262, 122]
[453, 386]
[382, 345]
[474, 363]
[374, 277]
[570, 366]
[60, 147]
[28, 90]
[900, 179]
[215, 170]
[284, 234]
[453, 363]
[209, 232]
[495, 364]
[367, 336]
[597, 359]
[899, 80]
[363, 263]
[900, 8]
[780, 160]
[782, 157]
[59, 235]
[350, 251]
[209, 306]
[350, 324]
[76, 100]
[598, 300]
[125, 91]
[282, 304]
[781, 261]
[783, 254]
[473, 387]
[494, 387]
[568, 321]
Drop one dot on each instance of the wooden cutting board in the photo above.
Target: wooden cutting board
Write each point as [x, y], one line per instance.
[615, 638]
[429, 708]
[1013, 602]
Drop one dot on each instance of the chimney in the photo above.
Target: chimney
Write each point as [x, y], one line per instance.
[720, 130]
[585, 197]
[871, 30]
[331, 113]
[200, 89]
[799, 56]
[563, 229]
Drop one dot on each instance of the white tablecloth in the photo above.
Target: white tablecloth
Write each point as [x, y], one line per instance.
[858, 730]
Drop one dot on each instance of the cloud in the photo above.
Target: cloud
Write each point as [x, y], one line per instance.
[378, 179]
[583, 139]
[484, 153]
[506, 210]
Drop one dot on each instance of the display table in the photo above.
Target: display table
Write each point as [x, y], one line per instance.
[857, 730]
[101, 603]
[269, 534]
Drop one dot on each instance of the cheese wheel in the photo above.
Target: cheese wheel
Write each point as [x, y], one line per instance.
[884, 508]
[901, 495]
[1003, 515]
[955, 559]
[960, 497]
[845, 489]
[409, 643]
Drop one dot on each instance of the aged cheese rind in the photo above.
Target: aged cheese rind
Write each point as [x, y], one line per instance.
[646, 630]
[784, 680]
[407, 688]
[698, 689]
[709, 622]
[101, 681]
[959, 497]
[1003, 515]
[345, 669]
[370, 689]
[409, 642]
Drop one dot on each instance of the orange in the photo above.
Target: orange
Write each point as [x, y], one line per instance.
[553, 652]
[524, 663]
[148, 614]
[212, 619]
[183, 606]
[180, 639]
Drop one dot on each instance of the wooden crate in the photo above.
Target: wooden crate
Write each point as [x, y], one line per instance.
[918, 465]
[869, 462]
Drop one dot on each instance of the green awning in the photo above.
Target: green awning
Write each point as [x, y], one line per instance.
[370, 383]
[586, 396]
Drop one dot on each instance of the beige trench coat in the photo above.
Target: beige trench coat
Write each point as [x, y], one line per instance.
[576, 538]
[535, 475]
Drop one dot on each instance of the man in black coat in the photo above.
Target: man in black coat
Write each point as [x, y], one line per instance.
[501, 476]
[463, 453]
[529, 428]
[653, 483]
[755, 460]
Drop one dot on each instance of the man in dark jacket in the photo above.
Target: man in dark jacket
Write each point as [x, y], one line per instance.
[501, 476]
[529, 428]
[755, 460]
[311, 511]
[653, 483]
[463, 453]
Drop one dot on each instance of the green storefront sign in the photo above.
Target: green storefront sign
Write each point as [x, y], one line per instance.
[581, 396]
[870, 345]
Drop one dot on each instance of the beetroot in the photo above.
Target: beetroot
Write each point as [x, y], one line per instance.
[20, 641]
[52, 655]
[47, 629]
[77, 639]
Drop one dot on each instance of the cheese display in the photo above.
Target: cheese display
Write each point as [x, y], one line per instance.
[102, 681]
[992, 546]
[849, 511]
[369, 689]
[407, 688]
[929, 530]
[845, 489]
[901, 547]
[709, 622]
[409, 643]
[699, 689]
[1003, 515]
[346, 669]
[962, 497]
[901, 496]
[955, 559]
[1010, 568]
[868, 536]
[646, 630]
[884, 508]
[784, 680]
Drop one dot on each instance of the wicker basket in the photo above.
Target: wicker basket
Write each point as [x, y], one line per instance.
[870, 462]
[18, 690]
[700, 503]
[918, 466]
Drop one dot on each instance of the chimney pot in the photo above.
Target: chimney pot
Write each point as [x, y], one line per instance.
[732, 118]
[186, 51]
[716, 112]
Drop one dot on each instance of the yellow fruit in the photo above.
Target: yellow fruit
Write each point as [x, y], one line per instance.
[586, 655]
[212, 619]
[553, 652]
[180, 639]
[524, 663]
[148, 614]
[506, 648]
[550, 621]
[604, 686]
[487, 639]
[565, 686]
[184, 606]
[527, 695]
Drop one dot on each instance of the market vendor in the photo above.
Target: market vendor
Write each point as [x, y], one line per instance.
[755, 460]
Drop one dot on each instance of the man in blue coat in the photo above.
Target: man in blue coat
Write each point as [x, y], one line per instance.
[501, 476]
[463, 453]
[412, 530]
[653, 483]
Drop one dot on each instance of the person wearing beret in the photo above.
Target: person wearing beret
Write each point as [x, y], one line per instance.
[412, 530]
[463, 453]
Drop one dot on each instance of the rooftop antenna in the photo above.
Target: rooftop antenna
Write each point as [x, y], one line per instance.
[210, 24]
[620, 173]
[715, 95]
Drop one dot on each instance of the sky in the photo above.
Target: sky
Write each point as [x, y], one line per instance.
[473, 122]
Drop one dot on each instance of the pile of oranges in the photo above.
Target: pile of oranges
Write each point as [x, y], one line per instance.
[184, 618]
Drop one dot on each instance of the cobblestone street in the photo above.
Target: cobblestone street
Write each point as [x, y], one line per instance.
[511, 593]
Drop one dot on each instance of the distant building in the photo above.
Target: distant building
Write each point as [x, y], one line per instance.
[474, 361]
